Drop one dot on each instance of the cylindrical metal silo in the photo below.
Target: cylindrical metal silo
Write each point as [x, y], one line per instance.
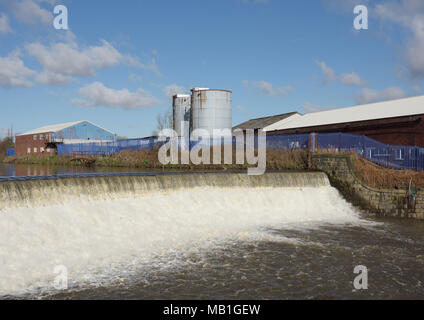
[211, 109]
[181, 104]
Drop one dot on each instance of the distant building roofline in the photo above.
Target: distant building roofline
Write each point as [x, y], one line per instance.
[59, 127]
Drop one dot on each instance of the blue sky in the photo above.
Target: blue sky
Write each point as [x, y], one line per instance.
[119, 61]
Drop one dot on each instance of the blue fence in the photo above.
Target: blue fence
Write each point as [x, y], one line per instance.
[11, 152]
[107, 148]
[391, 156]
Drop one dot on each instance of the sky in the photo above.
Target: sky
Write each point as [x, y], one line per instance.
[119, 62]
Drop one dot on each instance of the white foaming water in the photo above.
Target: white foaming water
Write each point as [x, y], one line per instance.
[88, 235]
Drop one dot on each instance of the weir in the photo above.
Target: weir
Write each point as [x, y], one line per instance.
[101, 226]
[44, 192]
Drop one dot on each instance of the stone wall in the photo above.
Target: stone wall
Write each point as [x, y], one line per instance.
[390, 203]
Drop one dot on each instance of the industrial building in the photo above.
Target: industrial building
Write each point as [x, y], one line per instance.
[205, 108]
[44, 140]
[396, 122]
[261, 123]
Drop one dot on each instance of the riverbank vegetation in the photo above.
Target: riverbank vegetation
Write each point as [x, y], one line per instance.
[276, 160]
[5, 144]
[380, 177]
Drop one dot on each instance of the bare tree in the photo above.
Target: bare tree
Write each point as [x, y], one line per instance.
[163, 121]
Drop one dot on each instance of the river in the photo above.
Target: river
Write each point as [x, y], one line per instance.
[284, 237]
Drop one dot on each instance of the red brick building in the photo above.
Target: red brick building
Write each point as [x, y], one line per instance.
[397, 122]
[34, 144]
[43, 141]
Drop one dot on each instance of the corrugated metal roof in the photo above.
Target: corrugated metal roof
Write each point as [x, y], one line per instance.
[260, 123]
[373, 111]
[59, 127]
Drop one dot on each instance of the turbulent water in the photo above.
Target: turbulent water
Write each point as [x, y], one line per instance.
[224, 236]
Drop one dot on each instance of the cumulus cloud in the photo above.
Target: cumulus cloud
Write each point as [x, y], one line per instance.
[268, 88]
[173, 89]
[98, 95]
[30, 12]
[4, 24]
[61, 61]
[410, 15]
[352, 79]
[68, 59]
[310, 107]
[13, 73]
[329, 74]
[347, 79]
[53, 79]
[369, 95]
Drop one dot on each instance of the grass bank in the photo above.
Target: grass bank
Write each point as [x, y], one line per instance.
[276, 160]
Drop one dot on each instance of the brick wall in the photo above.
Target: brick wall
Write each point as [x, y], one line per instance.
[406, 131]
[33, 145]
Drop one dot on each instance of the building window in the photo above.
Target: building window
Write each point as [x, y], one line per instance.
[41, 137]
[42, 150]
[48, 150]
[35, 137]
[29, 150]
[35, 150]
[47, 137]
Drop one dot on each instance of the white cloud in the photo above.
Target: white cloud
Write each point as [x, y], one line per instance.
[13, 72]
[52, 78]
[63, 60]
[347, 79]
[310, 107]
[173, 89]
[267, 88]
[410, 15]
[151, 66]
[329, 74]
[4, 24]
[352, 79]
[30, 12]
[243, 110]
[68, 59]
[369, 95]
[96, 95]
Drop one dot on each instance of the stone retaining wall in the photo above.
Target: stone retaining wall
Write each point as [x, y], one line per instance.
[390, 203]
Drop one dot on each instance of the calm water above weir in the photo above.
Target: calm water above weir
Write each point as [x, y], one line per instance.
[23, 170]
[278, 236]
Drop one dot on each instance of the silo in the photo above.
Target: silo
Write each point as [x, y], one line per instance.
[211, 109]
[181, 104]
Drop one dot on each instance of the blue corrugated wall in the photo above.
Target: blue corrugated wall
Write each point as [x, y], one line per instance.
[84, 131]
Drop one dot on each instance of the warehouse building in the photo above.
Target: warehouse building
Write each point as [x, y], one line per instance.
[397, 122]
[261, 123]
[44, 140]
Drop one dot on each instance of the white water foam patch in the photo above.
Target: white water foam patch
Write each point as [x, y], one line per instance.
[95, 235]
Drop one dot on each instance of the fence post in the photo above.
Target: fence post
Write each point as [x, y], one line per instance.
[416, 158]
[340, 141]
